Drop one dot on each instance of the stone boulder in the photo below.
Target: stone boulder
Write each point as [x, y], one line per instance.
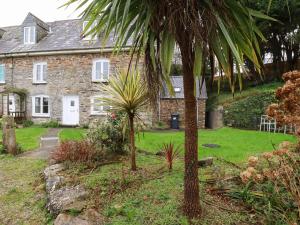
[206, 162]
[89, 217]
[65, 219]
[67, 198]
[53, 180]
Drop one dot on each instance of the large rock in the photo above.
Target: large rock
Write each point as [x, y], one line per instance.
[89, 217]
[53, 180]
[65, 219]
[61, 198]
[66, 198]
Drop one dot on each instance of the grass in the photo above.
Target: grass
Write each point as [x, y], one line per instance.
[236, 145]
[150, 196]
[29, 138]
[72, 134]
[22, 199]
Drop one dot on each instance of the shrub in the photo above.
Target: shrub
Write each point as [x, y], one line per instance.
[50, 124]
[27, 123]
[272, 185]
[246, 112]
[76, 151]
[286, 112]
[108, 135]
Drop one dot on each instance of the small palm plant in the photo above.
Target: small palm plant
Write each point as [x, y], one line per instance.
[127, 94]
[171, 153]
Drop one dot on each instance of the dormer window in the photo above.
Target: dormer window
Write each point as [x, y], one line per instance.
[29, 35]
[88, 36]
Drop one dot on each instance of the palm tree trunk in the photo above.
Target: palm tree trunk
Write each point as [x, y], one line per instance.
[191, 181]
[132, 143]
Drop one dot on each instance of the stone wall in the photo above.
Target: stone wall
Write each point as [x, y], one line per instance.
[66, 75]
[170, 106]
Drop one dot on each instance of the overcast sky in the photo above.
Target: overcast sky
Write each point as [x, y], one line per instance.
[13, 12]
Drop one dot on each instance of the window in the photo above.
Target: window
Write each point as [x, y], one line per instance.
[177, 89]
[88, 36]
[39, 73]
[97, 107]
[29, 35]
[100, 70]
[40, 106]
[2, 74]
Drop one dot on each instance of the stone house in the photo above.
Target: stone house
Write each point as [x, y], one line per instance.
[51, 71]
[60, 69]
[168, 104]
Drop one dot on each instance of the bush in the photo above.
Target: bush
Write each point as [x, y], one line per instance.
[76, 151]
[108, 135]
[27, 123]
[272, 185]
[50, 124]
[247, 112]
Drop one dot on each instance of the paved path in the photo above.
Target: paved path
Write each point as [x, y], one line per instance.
[48, 143]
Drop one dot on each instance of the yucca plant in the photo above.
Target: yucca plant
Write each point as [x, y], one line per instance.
[224, 28]
[127, 94]
[171, 153]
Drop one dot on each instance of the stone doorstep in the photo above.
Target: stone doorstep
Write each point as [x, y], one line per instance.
[49, 138]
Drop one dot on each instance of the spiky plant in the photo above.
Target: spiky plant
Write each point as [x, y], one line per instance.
[225, 28]
[171, 153]
[127, 94]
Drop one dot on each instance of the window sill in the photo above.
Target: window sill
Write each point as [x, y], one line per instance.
[99, 114]
[2, 82]
[41, 82]
[100, 81]
[41, 115]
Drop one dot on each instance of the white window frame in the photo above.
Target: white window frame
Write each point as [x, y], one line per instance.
[34, 77]
[41, 114]
[102, 111]
[88, 37]
[94, 78]
[3, 81]
[29, 35]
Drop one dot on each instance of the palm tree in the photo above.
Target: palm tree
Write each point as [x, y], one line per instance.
[153, 28]
[127, 94]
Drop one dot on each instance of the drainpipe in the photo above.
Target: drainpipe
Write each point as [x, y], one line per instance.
[159, 107]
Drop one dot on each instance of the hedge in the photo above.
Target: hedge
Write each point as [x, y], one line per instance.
[246, 113]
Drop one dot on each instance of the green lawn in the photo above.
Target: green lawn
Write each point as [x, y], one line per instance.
[72, 134]
[29, 138]
[236, 145]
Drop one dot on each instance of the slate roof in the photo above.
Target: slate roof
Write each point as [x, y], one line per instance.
[177, 82]
[63, 35]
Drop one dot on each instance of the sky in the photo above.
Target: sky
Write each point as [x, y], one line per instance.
[13, 12]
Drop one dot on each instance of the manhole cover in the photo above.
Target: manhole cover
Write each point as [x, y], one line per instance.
[211, 145]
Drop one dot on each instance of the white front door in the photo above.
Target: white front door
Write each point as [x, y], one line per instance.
[70, 110]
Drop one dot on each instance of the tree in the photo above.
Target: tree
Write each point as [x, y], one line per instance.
[283, 36]
[224, 27]
[127, 94]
